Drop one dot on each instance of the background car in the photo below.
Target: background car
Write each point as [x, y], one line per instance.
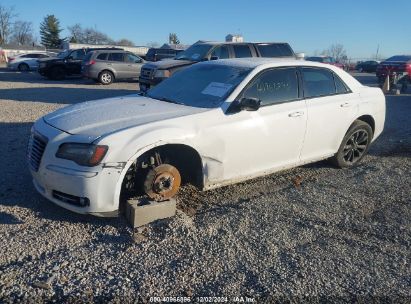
[66, 63]
[153, 73]
[156, 54]
[399, 65]
[326, 60]
[27, 62]
[105, 66]
[369, 66]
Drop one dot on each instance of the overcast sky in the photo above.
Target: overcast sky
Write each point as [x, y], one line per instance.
[309, 26]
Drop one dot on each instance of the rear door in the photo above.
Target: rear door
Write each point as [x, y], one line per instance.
[331, 108]
[116, 63]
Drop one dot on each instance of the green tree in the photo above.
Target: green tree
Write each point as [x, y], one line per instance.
[50, 32]
[173, 39]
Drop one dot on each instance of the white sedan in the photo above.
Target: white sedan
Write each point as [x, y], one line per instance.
[27, 62]
[212, 124]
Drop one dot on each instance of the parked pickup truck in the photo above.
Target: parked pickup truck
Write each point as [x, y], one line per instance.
[154, 72]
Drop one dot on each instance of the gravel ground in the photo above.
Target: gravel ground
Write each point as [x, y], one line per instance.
[341, 235]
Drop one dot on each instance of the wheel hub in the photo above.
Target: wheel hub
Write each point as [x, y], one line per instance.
[162, 182]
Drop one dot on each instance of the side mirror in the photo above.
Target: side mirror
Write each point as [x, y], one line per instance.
[214, 58]
[249, 104]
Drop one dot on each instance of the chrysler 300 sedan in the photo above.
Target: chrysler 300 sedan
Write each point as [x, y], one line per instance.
[210, 125]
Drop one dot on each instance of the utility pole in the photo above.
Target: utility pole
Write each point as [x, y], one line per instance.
[378, 49]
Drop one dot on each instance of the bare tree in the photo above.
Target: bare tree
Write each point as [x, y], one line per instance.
[76, 33]
[6, 20]
[23, 33]
[337, 51]
[173, 39]
[125, 42]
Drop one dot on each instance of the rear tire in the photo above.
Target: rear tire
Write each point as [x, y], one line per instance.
[354, 145]
[57, 73]
[106, 78]
[23, 67]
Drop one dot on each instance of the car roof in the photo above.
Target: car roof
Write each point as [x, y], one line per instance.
[232, 42]
[265, 61]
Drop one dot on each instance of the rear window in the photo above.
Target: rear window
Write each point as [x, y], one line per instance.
[399, 58]
[102, 56]
[242, 51]
[88, 56]
[318, 82]
[275, 50]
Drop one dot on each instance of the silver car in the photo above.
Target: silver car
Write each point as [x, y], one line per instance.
[105, 66]
[27, 62]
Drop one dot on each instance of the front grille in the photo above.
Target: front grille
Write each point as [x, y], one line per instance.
[35, 149]
[71, 199]
[147, 73]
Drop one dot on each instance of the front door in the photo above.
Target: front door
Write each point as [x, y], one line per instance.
[270, 138]
[133, 65]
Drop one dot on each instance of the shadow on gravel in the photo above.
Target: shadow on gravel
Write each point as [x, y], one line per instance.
[16, 188]
[34, 77]
[6, 218]
[61, 95]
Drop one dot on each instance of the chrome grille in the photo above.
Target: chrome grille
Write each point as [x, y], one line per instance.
[37, 145]
[147, 73]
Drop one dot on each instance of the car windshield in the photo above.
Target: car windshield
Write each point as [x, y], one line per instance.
[316, 59]
[63, 54]
[201, 86]
[195, 52]
[399, 58]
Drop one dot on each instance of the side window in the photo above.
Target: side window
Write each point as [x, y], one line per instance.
[78, 55]
[102, 56]
[274, 86]
[241, 51]
[221, 52]
[43, 56]
[340, 85]
[132, 58]
[274, 50]
[318, 82]
[116, 57]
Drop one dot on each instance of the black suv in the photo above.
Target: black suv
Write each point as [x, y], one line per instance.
[155, 72]
[66, 63]
[156, 54]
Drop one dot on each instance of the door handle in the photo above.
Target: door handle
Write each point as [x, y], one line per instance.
[296, 114]
[345, 105]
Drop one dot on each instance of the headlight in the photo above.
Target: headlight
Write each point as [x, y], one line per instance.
[82, 154]
[162, 73]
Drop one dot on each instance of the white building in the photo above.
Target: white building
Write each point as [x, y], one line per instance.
[234, 38]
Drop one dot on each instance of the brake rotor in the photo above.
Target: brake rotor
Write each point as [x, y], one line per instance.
[162, 182]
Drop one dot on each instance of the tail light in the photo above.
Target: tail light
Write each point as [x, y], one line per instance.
[91, 62]
[11, 59]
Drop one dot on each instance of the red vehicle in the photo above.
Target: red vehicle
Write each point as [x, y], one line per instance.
[327, 60]
[400, 65]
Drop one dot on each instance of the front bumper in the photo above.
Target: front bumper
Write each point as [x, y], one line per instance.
[85, 190]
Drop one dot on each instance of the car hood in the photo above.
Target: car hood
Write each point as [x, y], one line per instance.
[99, 117]
[168, 64]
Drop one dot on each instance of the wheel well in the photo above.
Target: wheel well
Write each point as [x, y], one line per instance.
[106, 70]
[185, 158]
[23, 63]
[369, 120]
